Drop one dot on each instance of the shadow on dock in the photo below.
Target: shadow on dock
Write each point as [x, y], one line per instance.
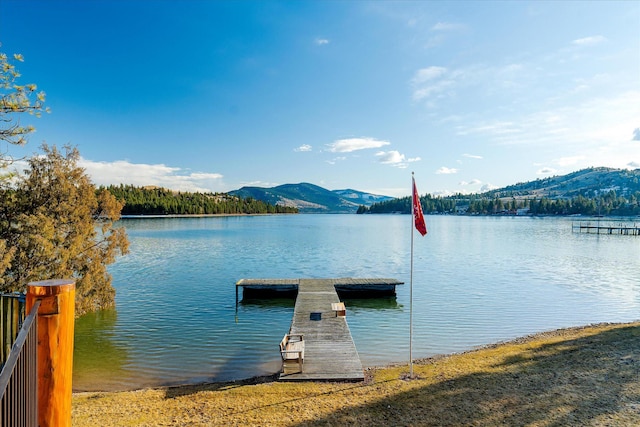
[319, 323]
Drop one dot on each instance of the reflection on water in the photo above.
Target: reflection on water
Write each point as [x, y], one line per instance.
[267, 303]
[378, 303]
[96, 356]
[476, 281]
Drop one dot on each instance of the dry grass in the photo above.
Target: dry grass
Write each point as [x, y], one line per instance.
[584, 376]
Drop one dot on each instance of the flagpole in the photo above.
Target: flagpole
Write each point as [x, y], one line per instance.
[417, 221]
[411, 282]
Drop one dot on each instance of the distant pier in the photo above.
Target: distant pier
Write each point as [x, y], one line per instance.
[329, 352]
[625, 228]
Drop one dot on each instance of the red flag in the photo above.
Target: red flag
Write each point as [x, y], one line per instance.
[418, 216]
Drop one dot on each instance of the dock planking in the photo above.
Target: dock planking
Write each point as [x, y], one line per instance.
[330, 353]
[606, 227]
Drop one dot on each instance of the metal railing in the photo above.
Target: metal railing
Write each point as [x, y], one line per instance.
[12, 307]
[19, 377]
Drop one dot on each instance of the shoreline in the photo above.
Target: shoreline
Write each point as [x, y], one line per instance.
[273, 377]
[586, 375]
[156, 216]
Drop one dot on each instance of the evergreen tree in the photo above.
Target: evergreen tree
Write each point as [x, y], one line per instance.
[59, 227]
[15, 100]
[160, 201]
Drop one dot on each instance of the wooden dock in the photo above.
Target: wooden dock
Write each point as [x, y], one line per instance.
[330, 353]
[606, 227]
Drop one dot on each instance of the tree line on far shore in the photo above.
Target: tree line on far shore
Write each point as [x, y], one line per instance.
[608, 204]
[160, 201]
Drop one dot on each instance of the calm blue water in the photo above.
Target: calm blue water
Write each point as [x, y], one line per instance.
[477, 280]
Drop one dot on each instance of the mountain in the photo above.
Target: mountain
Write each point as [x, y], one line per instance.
[593, 191]
[589, 182]
[360, 198]
[310, 198]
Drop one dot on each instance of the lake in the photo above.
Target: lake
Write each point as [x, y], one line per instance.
[477, 280]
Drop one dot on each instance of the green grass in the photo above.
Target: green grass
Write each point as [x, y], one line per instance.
[583, 376]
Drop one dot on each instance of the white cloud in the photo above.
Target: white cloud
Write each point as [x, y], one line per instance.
[265, 184]
[395, 158]
[446, 193]
[589, 41]
[546, 171]
[511, 68]
[633, 165]
[496, 128]
[636, 134]
[593, 125]
[336, 160]
[472, 182]
[488, 187]
[321, 41]
[447, 26]
[441, 31]
[487, 81]
[569, 161]
[390, 157]
[303, 148]
[434, 81]
[353, 144]
[426, 74]
[471, 156]
[203, 175]
[446, 171]
[140, 174]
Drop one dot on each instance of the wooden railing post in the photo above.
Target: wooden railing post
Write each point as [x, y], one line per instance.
[56, 317]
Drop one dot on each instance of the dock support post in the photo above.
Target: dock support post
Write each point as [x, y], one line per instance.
[56, 317]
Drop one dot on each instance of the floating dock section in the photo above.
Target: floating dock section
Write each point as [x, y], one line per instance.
[330, 353]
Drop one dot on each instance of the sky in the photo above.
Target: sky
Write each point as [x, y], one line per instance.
[198, 95]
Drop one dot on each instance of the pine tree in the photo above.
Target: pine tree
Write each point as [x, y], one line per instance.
[59, 226]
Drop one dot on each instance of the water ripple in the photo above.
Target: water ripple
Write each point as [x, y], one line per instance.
[476, 281]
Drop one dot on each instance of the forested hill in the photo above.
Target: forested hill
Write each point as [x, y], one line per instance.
[160, 201]
[593, 191]
[310, 198]
[590, 183]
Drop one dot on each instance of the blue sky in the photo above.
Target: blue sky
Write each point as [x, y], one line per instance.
[214, 95]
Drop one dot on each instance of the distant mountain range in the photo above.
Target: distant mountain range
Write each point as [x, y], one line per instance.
[591, 182]
[310, 198]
